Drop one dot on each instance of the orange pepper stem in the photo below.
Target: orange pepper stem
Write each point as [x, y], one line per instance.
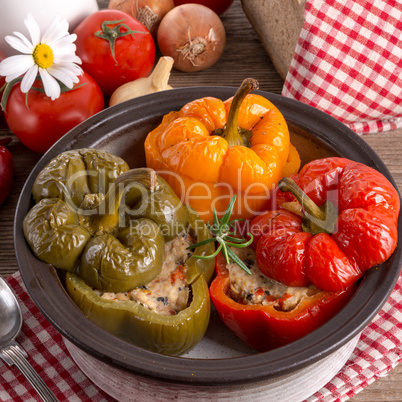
[231, 132]
[316, 219]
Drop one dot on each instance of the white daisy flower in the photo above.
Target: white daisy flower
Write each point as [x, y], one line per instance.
[52, 55]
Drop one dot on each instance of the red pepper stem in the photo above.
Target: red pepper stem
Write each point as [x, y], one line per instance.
[231, 132]
[288, 184]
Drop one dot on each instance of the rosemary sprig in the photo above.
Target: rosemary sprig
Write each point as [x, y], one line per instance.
[224, 232]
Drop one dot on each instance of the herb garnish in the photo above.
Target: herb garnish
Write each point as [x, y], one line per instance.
[224, 232]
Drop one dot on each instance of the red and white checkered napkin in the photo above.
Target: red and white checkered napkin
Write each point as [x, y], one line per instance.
[48, 356]
[348, 62]
[378, 351]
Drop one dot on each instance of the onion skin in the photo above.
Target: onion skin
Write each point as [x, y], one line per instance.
[193, 35]
[148, 12]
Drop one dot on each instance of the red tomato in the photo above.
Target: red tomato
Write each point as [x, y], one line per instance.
[134, 53]
[219, 6]
[39, 122]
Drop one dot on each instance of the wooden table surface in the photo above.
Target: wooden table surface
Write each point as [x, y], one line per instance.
[244, 56]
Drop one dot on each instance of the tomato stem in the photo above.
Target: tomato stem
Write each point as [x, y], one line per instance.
[232, 133]
[8, 86]
[112, 33]
[315, 219]
[63, 88]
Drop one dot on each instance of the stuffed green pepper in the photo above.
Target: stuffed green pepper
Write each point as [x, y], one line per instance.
[123, 236]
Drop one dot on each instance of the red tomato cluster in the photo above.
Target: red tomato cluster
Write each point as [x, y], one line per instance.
[115, 48]
[39, 122]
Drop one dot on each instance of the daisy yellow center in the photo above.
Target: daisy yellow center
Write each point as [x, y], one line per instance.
[43, 55]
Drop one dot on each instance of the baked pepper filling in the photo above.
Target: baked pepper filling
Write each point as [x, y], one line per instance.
[169, 293]
[257, 288]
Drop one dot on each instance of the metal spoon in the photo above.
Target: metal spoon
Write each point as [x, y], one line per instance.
[10, 351]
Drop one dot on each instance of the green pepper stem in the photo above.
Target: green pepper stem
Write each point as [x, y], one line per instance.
[145, 176]
[109, 221]
[288, 184]
[231, 131]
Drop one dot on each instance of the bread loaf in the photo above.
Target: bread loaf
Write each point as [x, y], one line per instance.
[278, 24]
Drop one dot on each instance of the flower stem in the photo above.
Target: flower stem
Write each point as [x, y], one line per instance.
[7, 87]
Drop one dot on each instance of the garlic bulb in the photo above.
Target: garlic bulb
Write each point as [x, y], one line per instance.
[155, 82]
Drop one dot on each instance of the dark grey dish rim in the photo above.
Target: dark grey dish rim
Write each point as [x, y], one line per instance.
[44, 286]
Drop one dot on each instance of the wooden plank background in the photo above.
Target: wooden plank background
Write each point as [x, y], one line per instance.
[244, 56]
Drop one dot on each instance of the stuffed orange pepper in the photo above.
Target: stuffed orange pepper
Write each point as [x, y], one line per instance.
[211, 150]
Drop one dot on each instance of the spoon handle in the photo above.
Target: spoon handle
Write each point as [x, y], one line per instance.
[14, 354]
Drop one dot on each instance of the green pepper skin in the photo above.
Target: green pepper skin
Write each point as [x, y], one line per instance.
[73, 174]
[107, 226]
[54, 234]
[163, 206]
[170, 335]
[120, 265]
[129, 320]
[200, 232]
